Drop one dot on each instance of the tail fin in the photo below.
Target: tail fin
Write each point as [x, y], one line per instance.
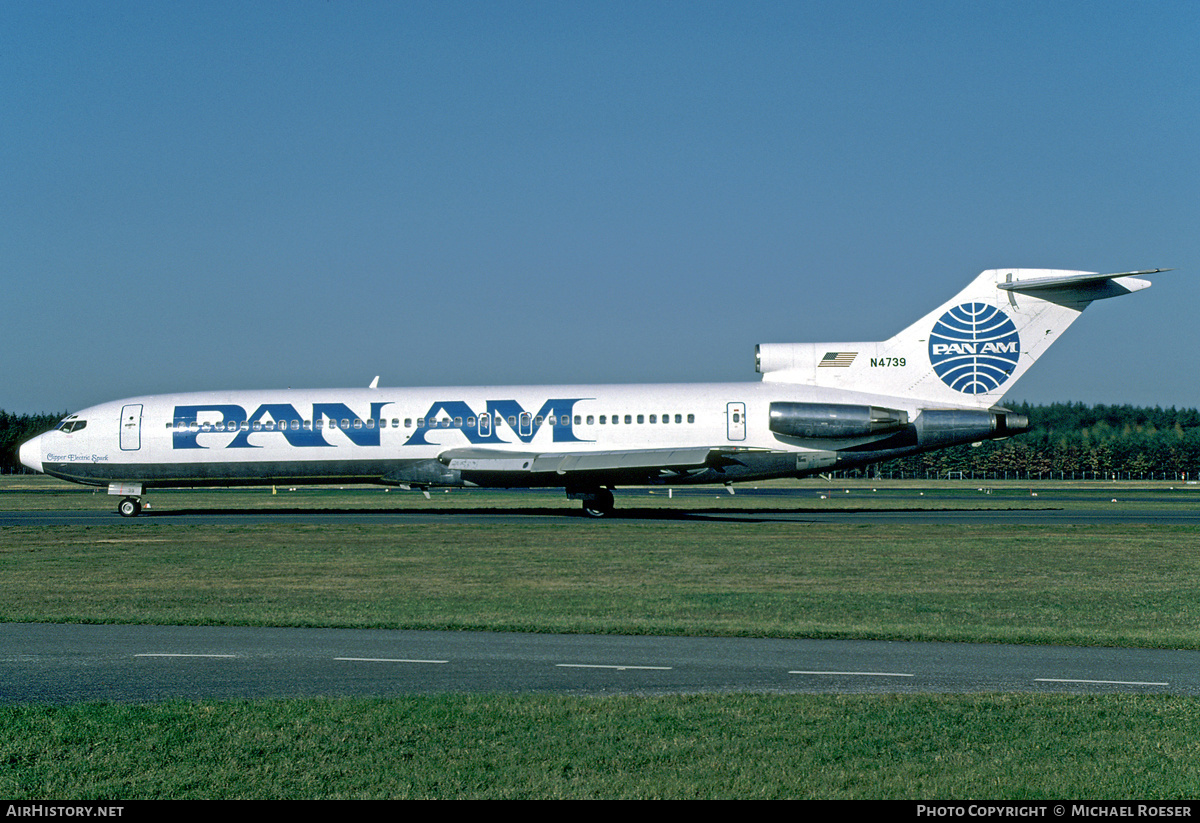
[967, 352]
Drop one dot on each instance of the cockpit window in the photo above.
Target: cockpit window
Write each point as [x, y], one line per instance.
[69, 426]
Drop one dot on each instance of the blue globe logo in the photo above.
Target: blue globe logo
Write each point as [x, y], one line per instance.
[974, 348]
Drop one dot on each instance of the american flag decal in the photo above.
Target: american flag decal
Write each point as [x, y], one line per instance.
[837, 359]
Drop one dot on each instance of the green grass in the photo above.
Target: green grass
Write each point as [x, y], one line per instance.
[735, 746]
[1085, 585]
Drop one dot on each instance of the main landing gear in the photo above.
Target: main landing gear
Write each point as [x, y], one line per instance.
[129, 507]
[596, 502]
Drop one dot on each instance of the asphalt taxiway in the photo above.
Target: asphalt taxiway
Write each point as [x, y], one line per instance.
[69, 663]
[1048, 515]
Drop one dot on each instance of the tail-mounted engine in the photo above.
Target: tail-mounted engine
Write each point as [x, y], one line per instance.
[834, 420]
[947, 427]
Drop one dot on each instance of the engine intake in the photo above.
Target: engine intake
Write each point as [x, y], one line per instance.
[834, 420]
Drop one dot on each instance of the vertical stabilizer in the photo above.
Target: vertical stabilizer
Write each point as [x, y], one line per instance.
[967, 352]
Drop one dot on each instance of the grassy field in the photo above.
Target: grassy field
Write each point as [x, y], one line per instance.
[1127, 585]
[486, 746]
[1124, 586]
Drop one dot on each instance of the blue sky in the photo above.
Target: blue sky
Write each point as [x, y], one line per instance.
[237, 195]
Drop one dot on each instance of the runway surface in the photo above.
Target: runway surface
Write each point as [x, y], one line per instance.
[69, 663]
[1048, 516]
[1045, 504]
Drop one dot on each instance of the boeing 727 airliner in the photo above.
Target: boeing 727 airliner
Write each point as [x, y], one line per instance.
[819, 407]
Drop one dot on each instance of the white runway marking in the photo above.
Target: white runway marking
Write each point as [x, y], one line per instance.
[388, 660]
[163, 654]
[858, 674]
[1100, 682]
[618, 668]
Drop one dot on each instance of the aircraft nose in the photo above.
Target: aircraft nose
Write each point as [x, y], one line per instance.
[31, 453]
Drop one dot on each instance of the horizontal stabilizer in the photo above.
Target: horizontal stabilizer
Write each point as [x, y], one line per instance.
[1075, 280]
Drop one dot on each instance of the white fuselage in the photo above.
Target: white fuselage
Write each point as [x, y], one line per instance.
[208, 438]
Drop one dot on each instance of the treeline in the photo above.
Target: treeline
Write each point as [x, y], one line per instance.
[15, 429]
[1073, 441]
[1068, 440]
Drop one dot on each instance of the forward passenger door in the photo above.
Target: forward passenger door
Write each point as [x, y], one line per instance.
[131, 427]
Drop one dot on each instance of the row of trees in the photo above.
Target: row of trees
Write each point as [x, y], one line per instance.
[1072, 440]
[15, 429]
[1068, 440]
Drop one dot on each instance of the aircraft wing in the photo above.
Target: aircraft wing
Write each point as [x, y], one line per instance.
[492, 460]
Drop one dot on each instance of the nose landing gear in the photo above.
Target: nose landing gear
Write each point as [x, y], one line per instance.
[131, 500]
